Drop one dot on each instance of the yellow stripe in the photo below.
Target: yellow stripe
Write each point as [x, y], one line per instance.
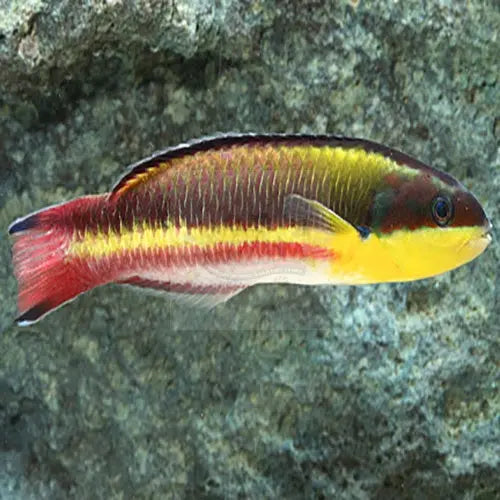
[144, 238]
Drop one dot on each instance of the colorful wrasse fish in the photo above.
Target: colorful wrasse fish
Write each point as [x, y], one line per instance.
[207, 219]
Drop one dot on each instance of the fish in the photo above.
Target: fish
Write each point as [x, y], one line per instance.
[206, 219]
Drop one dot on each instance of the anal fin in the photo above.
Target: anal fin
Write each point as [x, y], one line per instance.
[192, 295]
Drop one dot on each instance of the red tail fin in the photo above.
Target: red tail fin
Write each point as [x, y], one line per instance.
[45, 278]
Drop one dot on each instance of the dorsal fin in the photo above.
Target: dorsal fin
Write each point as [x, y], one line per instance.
[141, 171]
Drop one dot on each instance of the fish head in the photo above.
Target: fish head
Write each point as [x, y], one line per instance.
[427, 223]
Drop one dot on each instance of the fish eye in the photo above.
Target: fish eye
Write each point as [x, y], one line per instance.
[442, 210]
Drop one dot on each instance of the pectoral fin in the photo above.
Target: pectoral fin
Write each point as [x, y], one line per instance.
[312, 213]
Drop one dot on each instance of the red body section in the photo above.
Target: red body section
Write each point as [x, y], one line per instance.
[48, 277]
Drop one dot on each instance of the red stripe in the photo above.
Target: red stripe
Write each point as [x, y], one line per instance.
[226, 252]
[135, 260]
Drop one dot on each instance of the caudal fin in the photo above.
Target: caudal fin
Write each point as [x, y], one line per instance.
[46, 279]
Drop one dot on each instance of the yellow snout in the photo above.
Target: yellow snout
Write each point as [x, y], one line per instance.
[406, 255]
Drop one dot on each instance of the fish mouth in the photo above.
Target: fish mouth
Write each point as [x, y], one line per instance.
[488, 231]
[481, 240]
[486, 240]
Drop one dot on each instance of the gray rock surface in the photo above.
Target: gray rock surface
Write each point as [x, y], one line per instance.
[285, 392]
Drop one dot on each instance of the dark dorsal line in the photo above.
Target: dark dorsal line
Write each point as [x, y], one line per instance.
[221, 141]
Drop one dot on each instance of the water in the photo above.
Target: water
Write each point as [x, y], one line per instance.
[286, 391]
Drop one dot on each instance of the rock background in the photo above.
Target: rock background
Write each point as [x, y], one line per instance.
[285, 392]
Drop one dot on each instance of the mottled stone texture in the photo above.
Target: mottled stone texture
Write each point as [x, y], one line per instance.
[289, 392]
